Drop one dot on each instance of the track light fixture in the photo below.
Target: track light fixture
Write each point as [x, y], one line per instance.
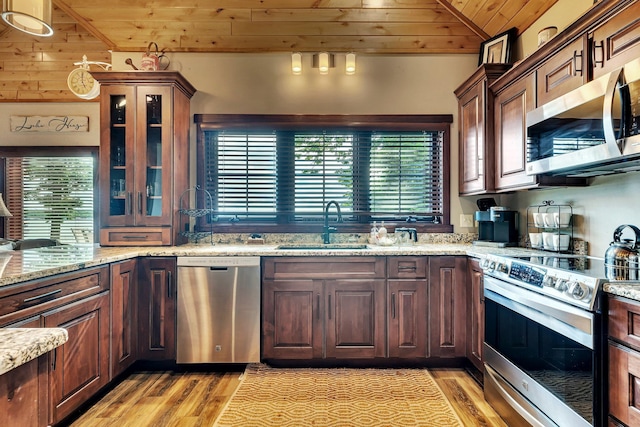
[323, 61]
[296, 63]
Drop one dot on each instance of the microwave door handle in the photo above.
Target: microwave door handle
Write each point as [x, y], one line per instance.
[611, 140]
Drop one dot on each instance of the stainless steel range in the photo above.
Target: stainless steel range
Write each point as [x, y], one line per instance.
[543, 346]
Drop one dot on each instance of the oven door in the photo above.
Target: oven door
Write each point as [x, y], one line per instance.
[540, 357]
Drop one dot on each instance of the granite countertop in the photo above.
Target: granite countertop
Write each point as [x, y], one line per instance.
[21, 345]
[629, 290]
[20, 266]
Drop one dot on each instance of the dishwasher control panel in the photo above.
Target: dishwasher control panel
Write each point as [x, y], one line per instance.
[218, 261]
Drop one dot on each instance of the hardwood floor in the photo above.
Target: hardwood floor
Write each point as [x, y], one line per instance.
[168, 398]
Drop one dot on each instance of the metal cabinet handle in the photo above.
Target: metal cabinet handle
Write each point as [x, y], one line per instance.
[405, 267]
[140, 202]
[318, 307]
[329, 307]
[393, 305]
[577, 55]
[169, 285]
[595, 60]
[55, 359]
[45, 295]
[129, 203]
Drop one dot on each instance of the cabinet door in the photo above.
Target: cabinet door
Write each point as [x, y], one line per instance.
[475, 308]
[473, 174]
[447, 306]
[563, 72]
[355, 318]
[123, 315]
[19, 390]
[157, 309]
[624, 384]
[292, 319]
[617, 41]
[407, 318]
[511, 107]
[117, 142]
[80, 367]
[153, 156]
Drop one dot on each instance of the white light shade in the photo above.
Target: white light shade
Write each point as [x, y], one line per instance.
[350, 63]
[323, 62]
[3, 208]
[31, 16]
[296, 63]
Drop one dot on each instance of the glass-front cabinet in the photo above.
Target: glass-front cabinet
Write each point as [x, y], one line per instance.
[143, 156]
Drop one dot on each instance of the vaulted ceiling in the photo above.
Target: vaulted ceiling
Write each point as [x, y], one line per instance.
[373, 26]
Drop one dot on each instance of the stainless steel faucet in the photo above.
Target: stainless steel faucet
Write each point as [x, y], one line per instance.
[326, 233]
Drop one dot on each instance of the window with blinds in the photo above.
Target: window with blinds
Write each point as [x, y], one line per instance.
[50, 197]
[288, 176]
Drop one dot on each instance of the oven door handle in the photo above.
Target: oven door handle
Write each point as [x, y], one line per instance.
[562, 318]
[500, 387]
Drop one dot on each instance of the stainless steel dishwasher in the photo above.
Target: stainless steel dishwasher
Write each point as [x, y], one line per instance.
[218, 310]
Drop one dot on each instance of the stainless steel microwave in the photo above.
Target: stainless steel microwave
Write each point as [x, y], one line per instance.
[590, 131]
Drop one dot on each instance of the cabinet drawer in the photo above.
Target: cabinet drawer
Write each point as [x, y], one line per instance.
[624, 384]
[30, 298]
[624, 321]
[324, 267]
[407, 267]
[135, 236]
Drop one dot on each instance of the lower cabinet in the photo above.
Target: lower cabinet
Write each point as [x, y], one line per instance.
[315, 308]
[157, 308]
[447, 306]
[21, 392]
[124, 323]
[80, 367]
[475, 311]
[624, 361]
[406, 307]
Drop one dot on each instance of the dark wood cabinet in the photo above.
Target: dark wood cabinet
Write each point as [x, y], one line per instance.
[157, 308]
[447, 306]
[22, 403]
[623, 321]
[407, 311]
[476, 136]
[144, 153]
[511, 106]
[616, 41]
[80, 367]
[124, 323]
[564, 71]
[292, 320]
[323, 307]
[355, 318]
[475, 310]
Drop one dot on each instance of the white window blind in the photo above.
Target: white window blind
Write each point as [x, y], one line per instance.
[56, 197]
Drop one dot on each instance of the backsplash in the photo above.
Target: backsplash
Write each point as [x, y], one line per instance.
[316, 238]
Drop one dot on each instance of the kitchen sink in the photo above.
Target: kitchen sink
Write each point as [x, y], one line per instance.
[319, 246]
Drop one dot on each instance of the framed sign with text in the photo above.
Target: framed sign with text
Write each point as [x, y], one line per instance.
[56, 124]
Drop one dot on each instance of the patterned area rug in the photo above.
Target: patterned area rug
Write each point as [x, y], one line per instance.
[337, 397]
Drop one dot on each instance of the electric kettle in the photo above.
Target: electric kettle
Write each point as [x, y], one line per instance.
[621, 257]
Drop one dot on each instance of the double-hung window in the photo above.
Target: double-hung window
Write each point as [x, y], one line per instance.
[279, 172]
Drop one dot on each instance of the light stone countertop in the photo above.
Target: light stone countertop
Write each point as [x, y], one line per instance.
[629, 290]
[17, 345]
[21, 345]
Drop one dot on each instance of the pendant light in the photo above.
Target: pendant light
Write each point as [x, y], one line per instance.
[30, 16]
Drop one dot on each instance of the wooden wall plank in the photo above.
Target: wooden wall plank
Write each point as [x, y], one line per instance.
[349, 28]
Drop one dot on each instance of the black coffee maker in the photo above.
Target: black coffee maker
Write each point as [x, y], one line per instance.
[497, 225]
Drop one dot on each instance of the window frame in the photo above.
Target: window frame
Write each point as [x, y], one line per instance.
[52, 151]
[431, 122]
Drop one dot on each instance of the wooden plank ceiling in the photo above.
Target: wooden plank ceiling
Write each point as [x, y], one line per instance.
[372, 26]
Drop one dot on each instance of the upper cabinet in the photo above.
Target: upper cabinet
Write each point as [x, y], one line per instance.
[563, 72]
[617, 41]
[144, 156]
[475, 103]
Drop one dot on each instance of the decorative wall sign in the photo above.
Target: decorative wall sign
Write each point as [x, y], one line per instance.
[57, 124]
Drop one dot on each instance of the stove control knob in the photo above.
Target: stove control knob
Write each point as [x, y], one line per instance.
[492, 266]
[484, 263]
[561, 285]
[549, 281]
[502, 268]
[579, 291]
